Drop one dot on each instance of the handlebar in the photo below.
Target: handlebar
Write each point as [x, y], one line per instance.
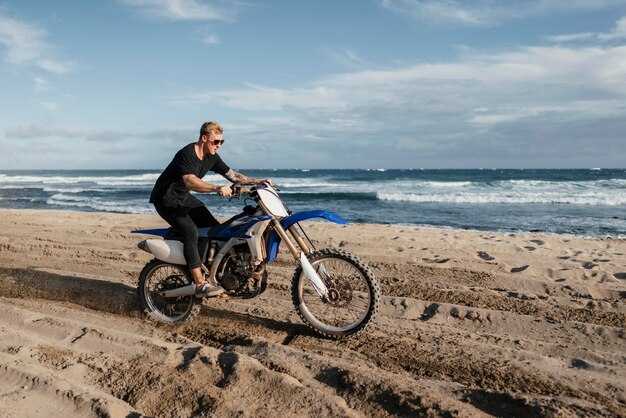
[238, 189]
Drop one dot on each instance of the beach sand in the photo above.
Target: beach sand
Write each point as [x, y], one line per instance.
[471, 324]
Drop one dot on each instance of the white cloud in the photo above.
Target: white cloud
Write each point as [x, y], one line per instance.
[256, 98]
[49, 105]
[580, 108]
[618, 33]
[104, 136]
[574, 37]
[211, 40]
[489, 12]
[183, 9]
[25, 45]
[34, 130]
[41, 84]
[56, 66]
[440, 11]
[560, 72]
[348, 58]
[480, 106]
[491, 119]
[78, 147]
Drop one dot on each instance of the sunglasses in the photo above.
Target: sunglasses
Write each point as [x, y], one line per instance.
[213, 141]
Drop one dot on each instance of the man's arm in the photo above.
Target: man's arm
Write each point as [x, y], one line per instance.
[192, 182]
[237, 177]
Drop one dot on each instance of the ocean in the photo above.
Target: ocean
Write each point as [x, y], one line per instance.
[585, 202]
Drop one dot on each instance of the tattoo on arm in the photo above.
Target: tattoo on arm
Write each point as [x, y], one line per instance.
[237, 177]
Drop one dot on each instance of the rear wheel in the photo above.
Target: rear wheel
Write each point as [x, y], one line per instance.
[158, 276]
[353, 294]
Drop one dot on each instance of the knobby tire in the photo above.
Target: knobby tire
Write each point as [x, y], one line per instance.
[300, 280]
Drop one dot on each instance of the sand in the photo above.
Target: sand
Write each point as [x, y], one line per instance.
[471, 324]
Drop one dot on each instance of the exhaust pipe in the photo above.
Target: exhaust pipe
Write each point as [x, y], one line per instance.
[188, 290]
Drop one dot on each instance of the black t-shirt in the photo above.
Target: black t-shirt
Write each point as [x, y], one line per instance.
[170, 189]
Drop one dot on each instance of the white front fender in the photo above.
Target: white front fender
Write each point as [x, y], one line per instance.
[310, 272]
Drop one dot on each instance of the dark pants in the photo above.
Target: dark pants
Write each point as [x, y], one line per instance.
[186, 222]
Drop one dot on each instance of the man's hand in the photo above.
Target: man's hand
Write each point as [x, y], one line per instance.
[267, 182]
[225, 191]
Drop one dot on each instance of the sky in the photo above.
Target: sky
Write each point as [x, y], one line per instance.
[124, 84]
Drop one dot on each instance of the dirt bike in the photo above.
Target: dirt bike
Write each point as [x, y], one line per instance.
[334, 292]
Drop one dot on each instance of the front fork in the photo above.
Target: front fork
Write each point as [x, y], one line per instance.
[300, 256]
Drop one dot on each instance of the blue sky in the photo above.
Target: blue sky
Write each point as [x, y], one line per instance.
[314, 84]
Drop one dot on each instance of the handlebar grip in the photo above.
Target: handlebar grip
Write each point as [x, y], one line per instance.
[238, 188]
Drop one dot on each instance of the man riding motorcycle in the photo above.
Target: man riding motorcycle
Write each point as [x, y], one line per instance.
[184, 212]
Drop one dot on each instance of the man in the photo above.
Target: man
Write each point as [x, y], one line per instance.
[173, 201]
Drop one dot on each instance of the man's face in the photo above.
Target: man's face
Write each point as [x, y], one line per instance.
[213, 142]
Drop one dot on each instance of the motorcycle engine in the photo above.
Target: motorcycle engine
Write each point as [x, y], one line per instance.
[231, 281]
[240, 277]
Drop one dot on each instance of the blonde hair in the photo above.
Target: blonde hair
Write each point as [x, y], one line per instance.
[210, 127]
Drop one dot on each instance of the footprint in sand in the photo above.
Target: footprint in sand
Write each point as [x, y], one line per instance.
[529, 248]
[436, 260]
[621, 276]
[430, 311]
[519, 269]
[564, 257]
[589, 265]
[580, 364]
[485, 256]
[537, 241]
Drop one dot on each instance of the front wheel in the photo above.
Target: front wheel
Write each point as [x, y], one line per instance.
[353, 294]
[158, 276]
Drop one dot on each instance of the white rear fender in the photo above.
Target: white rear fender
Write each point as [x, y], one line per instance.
[169, 251]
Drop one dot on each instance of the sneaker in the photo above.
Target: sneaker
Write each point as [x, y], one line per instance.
[206, 290]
